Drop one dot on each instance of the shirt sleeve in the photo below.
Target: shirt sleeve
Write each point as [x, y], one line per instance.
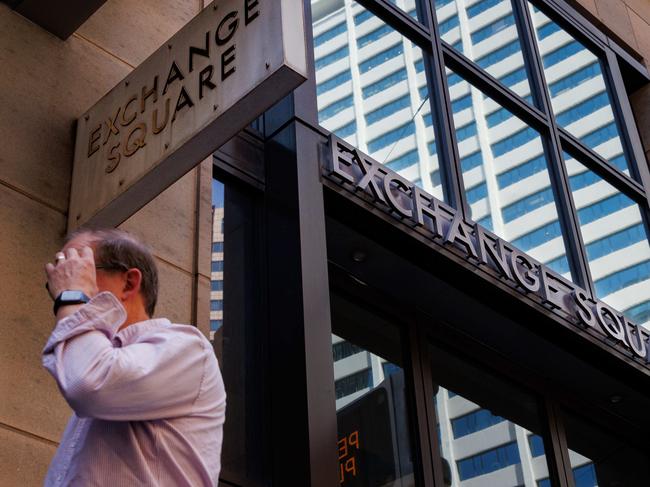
[157, 376]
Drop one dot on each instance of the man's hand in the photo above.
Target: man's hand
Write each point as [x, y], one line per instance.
[75, 272]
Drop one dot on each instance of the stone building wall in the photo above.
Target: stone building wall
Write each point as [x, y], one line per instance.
[45, 85]
[629, 21]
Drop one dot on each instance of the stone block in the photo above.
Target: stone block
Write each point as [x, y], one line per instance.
[204, 230]
[589, 5]
[641, 8]
[203, 305]
[640, 102]
[167, 223]
[48, 84]
[614, 14]
[175, 296]
[24, 459]
[641, 31]
[132, 31]
[32, 233]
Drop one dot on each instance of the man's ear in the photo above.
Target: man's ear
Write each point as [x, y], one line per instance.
[133, 282]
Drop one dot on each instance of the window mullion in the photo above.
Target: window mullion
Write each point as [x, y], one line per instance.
[398, 20]
[449, 158]
[559, 177]
[559, 462]
[435, 449]
[422, 396]
[624, 115]
[491, 87]
[602, 167]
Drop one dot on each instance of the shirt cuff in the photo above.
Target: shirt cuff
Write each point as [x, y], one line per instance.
[103, 312]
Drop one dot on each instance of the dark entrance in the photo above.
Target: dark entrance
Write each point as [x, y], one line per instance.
[441, 382]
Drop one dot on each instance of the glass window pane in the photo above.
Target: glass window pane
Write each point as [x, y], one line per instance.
[506, 176]
[216, 277]
[361, 15]
[375, 96]
[489, 431]
[615, 240]
[374, 443]
[578, 90]
[600, 459]
[485, 31]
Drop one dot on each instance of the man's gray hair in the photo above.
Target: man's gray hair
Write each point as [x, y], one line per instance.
[119, 250]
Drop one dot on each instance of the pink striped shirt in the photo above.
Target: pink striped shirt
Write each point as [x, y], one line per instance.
[149, 402]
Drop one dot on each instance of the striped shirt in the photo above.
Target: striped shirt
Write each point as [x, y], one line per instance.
[149, 402]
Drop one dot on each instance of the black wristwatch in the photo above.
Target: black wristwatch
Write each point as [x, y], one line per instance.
[69, 297]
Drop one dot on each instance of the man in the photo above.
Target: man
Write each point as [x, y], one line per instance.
[147, 395]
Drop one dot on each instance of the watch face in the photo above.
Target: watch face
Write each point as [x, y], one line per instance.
[73, 296]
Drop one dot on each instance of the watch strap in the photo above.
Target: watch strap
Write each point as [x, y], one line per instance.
[69, 297]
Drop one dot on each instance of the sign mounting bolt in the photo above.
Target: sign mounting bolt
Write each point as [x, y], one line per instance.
[166, 145]
[268, 65]
[214, 107]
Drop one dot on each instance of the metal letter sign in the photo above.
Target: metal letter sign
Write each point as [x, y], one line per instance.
[444, 227]
[223, 69]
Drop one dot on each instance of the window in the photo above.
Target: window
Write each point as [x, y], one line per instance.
[517, 173]
[514, 141]
[471, 161]
[362, 17]
[347, 130]
[384, 83]
[448, 24]
[217, 266]
[498, 116]
[561, 53]
[492, 29]
[574, 79]
[536, 444]
[341, 53]
[373, 36]
[527, 204]
[388, 109]
[498, 152]
[538, 236]
[461, 103]
[381, 58]
[391, 137]
[217, 246]
[216, 285]
[334, 108]
[333, 82]
[330, 34]
[481, 6]
[344, 349]
[499, 55]
[488, 461]
[403, 161]
[216, 305]
[476, 193]
[473, 422]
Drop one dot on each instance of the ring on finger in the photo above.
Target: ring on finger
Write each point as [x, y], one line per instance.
[59, 257]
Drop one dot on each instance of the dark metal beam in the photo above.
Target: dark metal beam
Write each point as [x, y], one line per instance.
[60, 17]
